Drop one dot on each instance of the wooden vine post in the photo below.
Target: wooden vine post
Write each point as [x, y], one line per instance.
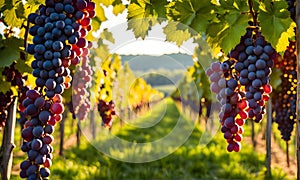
[298, 87]
[8, 141]
[268, 138]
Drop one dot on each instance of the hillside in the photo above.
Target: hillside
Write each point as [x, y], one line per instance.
[169, 62]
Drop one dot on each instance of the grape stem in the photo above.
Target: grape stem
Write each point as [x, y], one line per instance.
[252, 12]
[26, 35]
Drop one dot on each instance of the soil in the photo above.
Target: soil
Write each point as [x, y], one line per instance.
[278, 155]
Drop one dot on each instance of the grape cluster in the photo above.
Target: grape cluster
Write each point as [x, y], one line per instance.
[5, 101]
[82, 82]
[44, 113]
[71, 109]
[59, 30]
[232, 115]
[284, 99]
[107, 111]
[292, 8]
[242, 84]
[254, 61]
[15, 77]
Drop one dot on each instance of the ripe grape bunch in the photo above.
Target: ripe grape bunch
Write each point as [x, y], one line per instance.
[284, 100]
[82, 82]
[107, 111]
[254, 58]
[59, 30]
[232, 115]
[5, 101]
[242, 84]
[292, 8]
[16, 79]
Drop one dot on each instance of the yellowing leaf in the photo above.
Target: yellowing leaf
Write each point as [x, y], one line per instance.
[100, 13]
[173, 34]
[107, 36]
[10, 17]
[140, 27]
[106, 2]
[118, 9]
[283, 41]
[275, 20]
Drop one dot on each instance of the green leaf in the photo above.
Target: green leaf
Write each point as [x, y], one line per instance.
[10, 51]
[275, 79]
[20, 11]
[11, 14]
[192, 13]
[140, 27]
[227, 33]
[173, 34]
[232, 34]
[23, 67]
[276, 24]
[35, 2]
[5, 86]
[143, 15]
[107, 36]
[102, 51]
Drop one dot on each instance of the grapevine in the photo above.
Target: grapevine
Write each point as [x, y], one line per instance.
[284, 100]
[242, 84]
[59, 30]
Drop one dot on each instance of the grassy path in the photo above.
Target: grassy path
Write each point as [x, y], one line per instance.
[189, 161]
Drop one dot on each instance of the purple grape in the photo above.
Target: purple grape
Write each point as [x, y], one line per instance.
[50, 84]
[36, 144]
[31, 170]
[49, 129]
[48, 65]
[44, 116]
[38, 131]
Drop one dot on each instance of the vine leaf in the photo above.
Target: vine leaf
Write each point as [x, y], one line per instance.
[12, 13]
[100, 13]
[175, 34]
[118, 7]
[102, 51]
[226, 34]
[23, 66]
[192, 13]
[275, 78]
[276, 24]
[107, 2]
[5, 86]
[10, 50]
[140, 27]
[230, 24]
[106, 35]
[143, 14]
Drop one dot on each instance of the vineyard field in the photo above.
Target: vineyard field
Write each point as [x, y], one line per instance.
[190, 161]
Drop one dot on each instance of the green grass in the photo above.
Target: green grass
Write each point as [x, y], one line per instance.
[189, 161]
[168, 89]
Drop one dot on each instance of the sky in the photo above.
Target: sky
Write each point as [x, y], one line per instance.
[127, 44]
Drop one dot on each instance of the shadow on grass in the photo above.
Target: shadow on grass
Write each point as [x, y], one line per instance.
[190, 161]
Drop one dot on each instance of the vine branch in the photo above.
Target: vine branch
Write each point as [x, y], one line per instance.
[252, 12]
